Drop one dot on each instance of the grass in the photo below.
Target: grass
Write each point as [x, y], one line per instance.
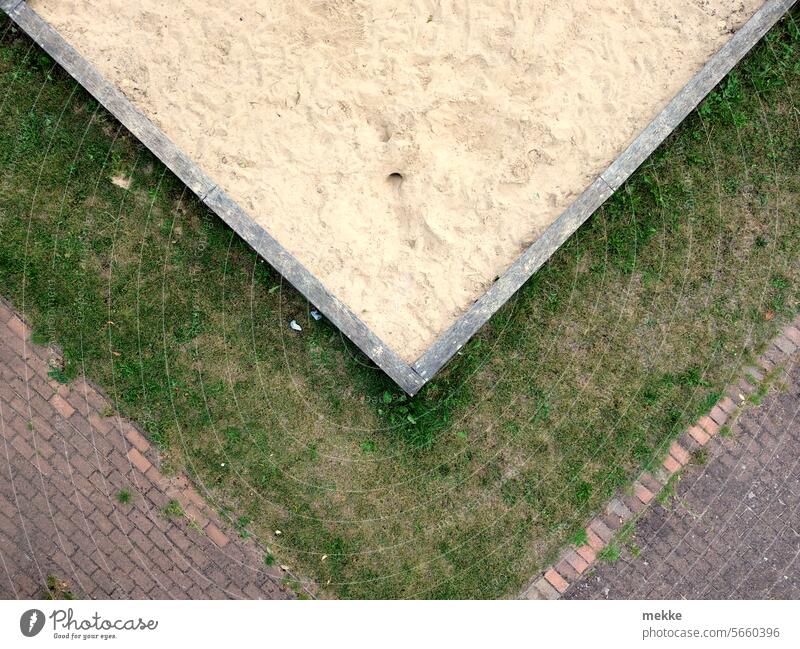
[700, 456]
[173, 509]
[670, 491]
[581, 537]
[619, 342]
[610, 553]
[57, 589]
[124, 497]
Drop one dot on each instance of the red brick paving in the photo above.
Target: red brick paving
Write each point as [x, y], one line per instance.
[556, 580]
[709, 425]
[642, 492]
[62, 462]
[679, 453]
[699, 435]
[671, 464]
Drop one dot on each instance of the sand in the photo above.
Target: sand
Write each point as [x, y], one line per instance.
[406, 152]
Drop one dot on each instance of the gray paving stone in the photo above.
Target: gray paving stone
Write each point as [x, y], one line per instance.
[733, 532]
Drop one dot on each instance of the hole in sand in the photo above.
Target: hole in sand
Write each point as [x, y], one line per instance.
[395, 179]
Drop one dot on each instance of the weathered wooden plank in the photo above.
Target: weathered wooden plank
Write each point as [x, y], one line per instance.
[609, 181]
[695, 91]
[180, 164]
[8, 5]
[411, 379]
[114, 101]
[314, 291]
[509, 283]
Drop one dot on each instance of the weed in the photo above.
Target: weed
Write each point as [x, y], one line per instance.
[173, 509]
[669, 492]
[58, 374]
[581, 537]
[124, 496]
[241, 527]
[610, 553]
[57, 589]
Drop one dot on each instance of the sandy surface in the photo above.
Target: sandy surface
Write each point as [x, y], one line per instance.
[497, 114]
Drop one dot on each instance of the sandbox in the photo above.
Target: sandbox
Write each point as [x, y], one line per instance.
[406, 165]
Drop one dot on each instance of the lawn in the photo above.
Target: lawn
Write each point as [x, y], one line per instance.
[623, 338]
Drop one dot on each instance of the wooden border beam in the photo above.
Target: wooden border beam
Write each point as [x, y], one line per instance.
[410, 377]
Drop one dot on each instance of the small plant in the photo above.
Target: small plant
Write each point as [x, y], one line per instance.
[758, 396]
[700, 456]
[583, 493]
[269, 559]
[610, 553]
[725, 431]
[668, 492]
[56, 588]
[58, 374]
[579, 538]
[241, 526]
[292, 583]
[313, 452]
[173, 509]
[124, 496]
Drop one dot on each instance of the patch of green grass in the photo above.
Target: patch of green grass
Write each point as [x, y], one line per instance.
[619, 342]
[758, 396]
[669, 492]
[241, 527]
[124, 496]
[579, 538]
[173, 509]
[58, 374]
[771, 380]
[611, 553]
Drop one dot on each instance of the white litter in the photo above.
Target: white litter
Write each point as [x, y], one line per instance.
[316, 314]
[296, 327]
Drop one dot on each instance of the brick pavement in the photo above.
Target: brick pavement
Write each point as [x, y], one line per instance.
[732, 530]
[64, 458]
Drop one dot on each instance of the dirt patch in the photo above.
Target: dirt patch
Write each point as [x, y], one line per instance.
[121, 181]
